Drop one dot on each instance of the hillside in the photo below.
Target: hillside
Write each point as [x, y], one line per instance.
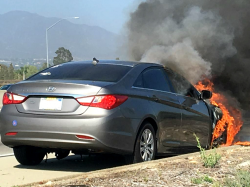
[23, 36]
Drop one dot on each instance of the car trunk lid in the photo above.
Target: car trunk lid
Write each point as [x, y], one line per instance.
[55, 97]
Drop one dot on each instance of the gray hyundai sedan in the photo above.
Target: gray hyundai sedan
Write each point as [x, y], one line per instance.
[135, 109]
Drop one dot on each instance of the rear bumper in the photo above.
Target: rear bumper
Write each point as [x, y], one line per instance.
[112, 132]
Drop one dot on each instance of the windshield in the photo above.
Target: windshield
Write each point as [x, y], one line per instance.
[83, 71]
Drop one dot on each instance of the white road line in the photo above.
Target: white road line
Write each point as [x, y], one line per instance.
[9, 154]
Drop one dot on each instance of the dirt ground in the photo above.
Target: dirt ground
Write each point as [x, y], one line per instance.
[178, 171]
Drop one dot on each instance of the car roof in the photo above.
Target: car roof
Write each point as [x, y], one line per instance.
[118, 62]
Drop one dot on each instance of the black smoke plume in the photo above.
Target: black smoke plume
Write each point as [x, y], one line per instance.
[196, 38]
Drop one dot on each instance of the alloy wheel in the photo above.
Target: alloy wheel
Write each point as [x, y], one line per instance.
[147, 145]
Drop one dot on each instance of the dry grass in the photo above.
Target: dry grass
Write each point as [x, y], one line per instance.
[180, 172]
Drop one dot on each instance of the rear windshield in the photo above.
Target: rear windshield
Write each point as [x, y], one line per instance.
[81, 71]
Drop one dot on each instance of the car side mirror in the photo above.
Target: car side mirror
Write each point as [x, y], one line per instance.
[206, 94]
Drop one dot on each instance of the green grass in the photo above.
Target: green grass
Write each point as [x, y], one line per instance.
[145, 179]
[209, 160]
[196, 180]
[208, 179]
[241, 179]
[202, 179]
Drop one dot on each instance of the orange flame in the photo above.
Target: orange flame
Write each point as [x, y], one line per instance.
[231, 119]
[242, 143]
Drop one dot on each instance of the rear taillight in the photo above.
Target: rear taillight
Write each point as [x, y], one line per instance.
[11, 98]
[105, 101]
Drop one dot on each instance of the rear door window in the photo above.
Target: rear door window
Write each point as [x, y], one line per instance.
[139, 82]
[181, 85]
[83, 71]
[153, 78]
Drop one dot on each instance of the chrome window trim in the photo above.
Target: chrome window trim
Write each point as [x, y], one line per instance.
[152, 89]
[177, 94]
[117, 64]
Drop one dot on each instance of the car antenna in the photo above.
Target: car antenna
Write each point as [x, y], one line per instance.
[95, 61]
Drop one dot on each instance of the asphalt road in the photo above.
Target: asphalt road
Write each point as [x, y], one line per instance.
[12, 173]
[4, 150]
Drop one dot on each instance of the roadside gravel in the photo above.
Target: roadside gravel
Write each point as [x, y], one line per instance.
[185, 170]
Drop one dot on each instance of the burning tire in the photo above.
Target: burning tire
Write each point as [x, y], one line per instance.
[217, 115]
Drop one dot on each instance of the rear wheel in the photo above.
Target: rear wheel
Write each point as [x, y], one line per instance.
[145, 146]
[27, 155]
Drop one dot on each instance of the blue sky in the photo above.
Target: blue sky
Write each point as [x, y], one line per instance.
[108, 14]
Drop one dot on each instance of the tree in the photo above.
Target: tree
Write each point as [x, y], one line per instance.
[63, 55]
[17, 74]
[25, 72]
[31, 70]
[4, 73]
[44, 66]
[11, 72]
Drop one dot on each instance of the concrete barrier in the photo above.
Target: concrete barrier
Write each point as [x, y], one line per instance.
[1, 97]
[1, 104]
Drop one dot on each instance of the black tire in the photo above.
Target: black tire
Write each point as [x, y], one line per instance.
[62, 154]
[138, 154]
[27, 155]
[210, 136]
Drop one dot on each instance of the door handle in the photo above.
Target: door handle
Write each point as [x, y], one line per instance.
[185, 107]
[155, 98]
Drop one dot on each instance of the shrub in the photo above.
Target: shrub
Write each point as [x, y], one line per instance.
[209, 160]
